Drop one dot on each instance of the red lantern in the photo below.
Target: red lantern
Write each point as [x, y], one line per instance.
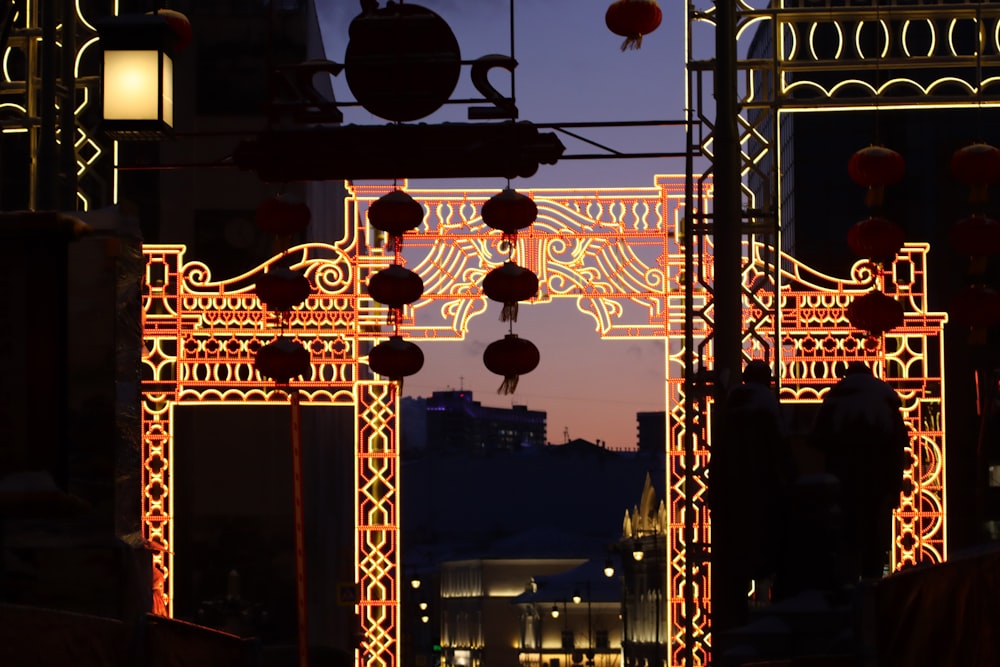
[180, 26]
[509, 211]
[632, 19]
[395, 213]
[282, 289]
[977, 307]
[511, 357]
[396, 358]
[977, 237]
[875, 313]
[875, 167]
[281, 360]
[508, 284]
[977, 166]
[282, 216]
[395, 286]
[876, 239]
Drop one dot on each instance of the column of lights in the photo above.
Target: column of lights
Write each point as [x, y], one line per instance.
[512, 356]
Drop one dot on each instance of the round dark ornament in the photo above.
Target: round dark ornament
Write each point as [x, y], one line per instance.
[402, 61]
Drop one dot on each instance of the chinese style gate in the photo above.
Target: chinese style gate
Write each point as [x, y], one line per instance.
[615, 253]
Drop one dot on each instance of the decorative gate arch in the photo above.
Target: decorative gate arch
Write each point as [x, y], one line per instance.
[615, 252]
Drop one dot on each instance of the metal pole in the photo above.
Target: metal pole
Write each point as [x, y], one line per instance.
[46, 172]
[67, 111]
[728, 596]
[301, 589]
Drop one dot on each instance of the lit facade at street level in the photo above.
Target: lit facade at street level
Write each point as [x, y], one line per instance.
[612, 252]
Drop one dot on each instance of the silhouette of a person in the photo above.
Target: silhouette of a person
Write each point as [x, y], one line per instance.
[861, 431]
[760, 468]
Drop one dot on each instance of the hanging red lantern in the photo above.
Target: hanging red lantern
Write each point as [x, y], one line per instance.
[395, 286]
[395, 213]
[632, 19]
[977, 237]
[977, 307]
[396, 358]
[875, 313]
[282, 359]
[180, 26]
[509, 211]
[510, 357]
[508, 284]
[282, 216]
[875, 167]
[282, 289]
[876, 239]
[977, 166]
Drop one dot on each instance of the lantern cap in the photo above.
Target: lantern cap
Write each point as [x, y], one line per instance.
[140, 32]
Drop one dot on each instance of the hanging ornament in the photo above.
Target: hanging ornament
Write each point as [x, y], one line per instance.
[508, 284]
[875, 313]
[977, 307]
[976, 237]
[510, 357]
[180, 26]
[632, 19]
[396, 358]
[395, 286]
[281, 360]
[876, 239]
[978, 166]
[282, 289]
[875, 167]
[395, 213]
[509, 211]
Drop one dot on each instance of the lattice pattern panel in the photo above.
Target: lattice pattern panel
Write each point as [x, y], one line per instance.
[377, 521]
[20, 92]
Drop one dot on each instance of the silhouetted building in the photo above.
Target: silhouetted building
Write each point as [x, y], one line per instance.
[455, 422]
[652, 431]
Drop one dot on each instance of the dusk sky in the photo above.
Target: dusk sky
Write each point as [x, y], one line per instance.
[570, 69]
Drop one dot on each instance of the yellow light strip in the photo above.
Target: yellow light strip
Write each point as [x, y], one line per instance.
[840, 40]
[906, 47]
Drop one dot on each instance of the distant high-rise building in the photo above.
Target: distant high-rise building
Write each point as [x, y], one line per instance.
[652, 431]
[456, 422]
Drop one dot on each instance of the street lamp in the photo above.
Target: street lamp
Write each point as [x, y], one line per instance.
[555, 611]
[137, 76]
[609, 568]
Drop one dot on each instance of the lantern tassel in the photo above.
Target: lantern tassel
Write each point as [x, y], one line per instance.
[977, 265]
[509, 312]
[509, 384]
[875, 196]
[979, 193]
[977, 336]
[632, 42]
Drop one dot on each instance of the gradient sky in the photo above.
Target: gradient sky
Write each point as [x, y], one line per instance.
[570, 70]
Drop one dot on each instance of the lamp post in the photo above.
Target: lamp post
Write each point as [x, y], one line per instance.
[577, 599]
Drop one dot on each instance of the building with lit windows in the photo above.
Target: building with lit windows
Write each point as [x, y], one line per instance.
[456, 422]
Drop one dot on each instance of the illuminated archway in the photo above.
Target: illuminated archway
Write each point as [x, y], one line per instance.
[615, 253]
